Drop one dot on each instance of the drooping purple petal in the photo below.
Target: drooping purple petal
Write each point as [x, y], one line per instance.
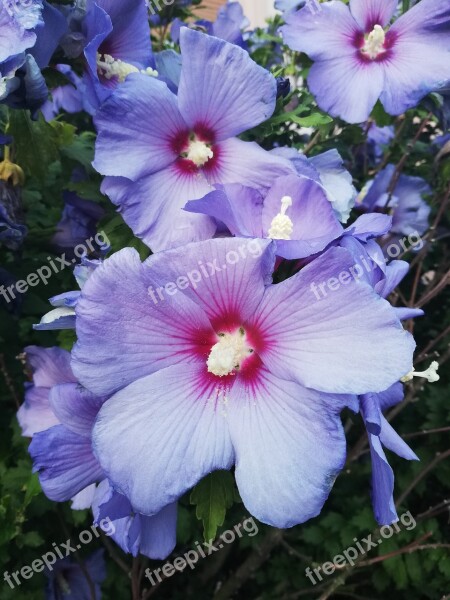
[64, 461]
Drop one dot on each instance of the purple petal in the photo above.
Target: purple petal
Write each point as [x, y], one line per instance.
[276, 427]
[324, 34]
[361, 344]
[50, 366]
[231, 274]
[137, 127]
[48, 36]
[382, 484]
[419, 61]
[248, 164]
[83, 500]
[331, 80]
[125, 333]
[35, 414]
[64, 461]
[239, 208]
[152, 207]
[369, 13]
[154, 537]
[176, 415]
[391, 440]
[314, 222]
[221, 88]
[370, 226]
[75, 407]
[130, 37]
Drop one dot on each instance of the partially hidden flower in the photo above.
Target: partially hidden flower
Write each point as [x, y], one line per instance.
[296, 212]
[59, 415]
[410, 212]
[117, 35]
[67, 579]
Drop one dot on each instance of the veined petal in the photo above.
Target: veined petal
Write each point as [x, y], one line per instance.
[290, 446]
[64, 461]
[324, 33]
[247, 164]
[227, 276]
[221, 88]
[152, 207]
[346, 340]
[137, 129]
[130, 37]
[331, 80]
[177, 415]
[75, 407]
[126, 330]
[369, 13]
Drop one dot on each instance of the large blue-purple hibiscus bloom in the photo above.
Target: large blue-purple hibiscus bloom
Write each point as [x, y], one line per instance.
[359, 57]
[210, 366]
[159, 150]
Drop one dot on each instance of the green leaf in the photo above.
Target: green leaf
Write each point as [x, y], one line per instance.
[380, 115]
[213, 496]
[314, 120]
[35, 143]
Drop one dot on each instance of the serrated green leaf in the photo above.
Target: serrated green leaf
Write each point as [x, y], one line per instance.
[213, 496]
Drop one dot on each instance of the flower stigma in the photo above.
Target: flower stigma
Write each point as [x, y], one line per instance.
[110, 67]
[282, 226]
[431, 374]
[199, 152]
[228, 354]
[374, 43]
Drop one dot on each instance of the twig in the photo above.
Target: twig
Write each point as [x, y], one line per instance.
[407, 549]
[112, 553]
[8, 380]
[253, 562]
[438, 458]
